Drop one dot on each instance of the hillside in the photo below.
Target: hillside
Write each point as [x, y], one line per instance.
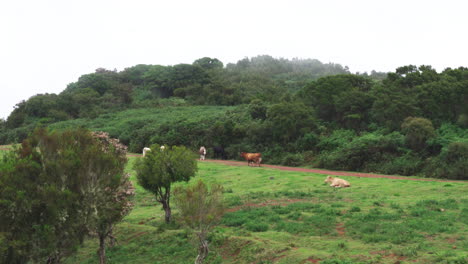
[293, 217]
[295, 112]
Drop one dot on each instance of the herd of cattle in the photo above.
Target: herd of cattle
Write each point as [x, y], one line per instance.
[254, 159]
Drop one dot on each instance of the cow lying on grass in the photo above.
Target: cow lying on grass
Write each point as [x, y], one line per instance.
[335, 182]
[252, 158]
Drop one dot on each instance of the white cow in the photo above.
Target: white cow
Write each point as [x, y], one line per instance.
[145, 149]
[202, 153]
[162, 147]
[335, 182]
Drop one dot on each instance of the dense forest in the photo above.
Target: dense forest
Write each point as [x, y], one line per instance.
[296, 112]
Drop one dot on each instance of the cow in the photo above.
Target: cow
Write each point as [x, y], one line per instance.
[252, 158]
[335, 182]
[145, 149]
[162, 147]
[219, 152]
[202, 153]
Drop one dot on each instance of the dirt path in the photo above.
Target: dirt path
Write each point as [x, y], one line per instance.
[329, 172]
[320, 171]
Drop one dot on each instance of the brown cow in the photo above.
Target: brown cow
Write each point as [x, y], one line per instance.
[252, 158]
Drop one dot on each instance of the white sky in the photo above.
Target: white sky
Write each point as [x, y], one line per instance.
[47, 44]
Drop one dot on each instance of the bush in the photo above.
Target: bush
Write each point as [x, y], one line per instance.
[408, 164]
[366, 153]
[417, 131]
[307, 142]
[337, 139]
[452, 163]
[291, 159]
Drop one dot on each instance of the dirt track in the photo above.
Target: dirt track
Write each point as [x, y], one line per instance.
[328, 172]
[321, 171]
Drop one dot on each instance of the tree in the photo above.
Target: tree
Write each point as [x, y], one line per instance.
[257, 109]
[290, 120]
[392, 106]
[111, 191]
[201, 209]
[159, 169]
[417, 131]
[327, 95]
[56, 188]
[209, 63]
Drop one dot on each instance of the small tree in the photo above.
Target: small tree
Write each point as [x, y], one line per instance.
[112, 190]
[201, 209]
[160, 168]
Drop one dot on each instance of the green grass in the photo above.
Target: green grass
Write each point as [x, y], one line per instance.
[295, 217]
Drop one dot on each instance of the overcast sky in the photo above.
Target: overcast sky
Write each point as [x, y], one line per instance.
[47, 44]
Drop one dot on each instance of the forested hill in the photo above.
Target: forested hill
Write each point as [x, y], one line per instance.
[205, 82]
[296, 112]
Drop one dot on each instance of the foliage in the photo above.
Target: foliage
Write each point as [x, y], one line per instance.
[110, 194]
[258, 109]
[161, 168]
[366, 153]
[261, 104]
[289, 121]
[56, 187]
[452, 162]
[201, 209]
[344, 99]
[417, 131]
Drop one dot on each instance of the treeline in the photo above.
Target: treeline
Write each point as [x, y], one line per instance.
[299, 112]
[204, 82]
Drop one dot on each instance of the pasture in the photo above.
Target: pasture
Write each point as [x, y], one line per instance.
[279, 216]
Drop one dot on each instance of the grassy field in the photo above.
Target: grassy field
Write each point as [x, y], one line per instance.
[290, 217]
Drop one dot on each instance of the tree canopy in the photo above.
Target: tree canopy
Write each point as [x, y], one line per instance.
[56, 187]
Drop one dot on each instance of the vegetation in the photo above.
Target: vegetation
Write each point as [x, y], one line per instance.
[295, 112]
[160, 168]
[201, 210]
[56, 189]
[293, 217]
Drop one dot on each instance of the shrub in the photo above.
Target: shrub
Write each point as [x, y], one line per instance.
[291, 159]
[417, 131]
[307, 142]
[452, 163]
[408, 164]
[337, 139]
[256, 227]
[365, 153]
